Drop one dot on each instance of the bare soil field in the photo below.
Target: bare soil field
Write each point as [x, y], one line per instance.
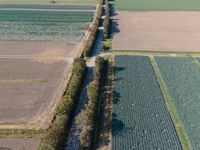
[18, 144]
[157, 31]
[32, 76]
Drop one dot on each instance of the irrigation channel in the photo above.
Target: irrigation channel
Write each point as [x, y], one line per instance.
[72, 142]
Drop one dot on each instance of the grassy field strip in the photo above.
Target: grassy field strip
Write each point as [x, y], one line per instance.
[154, 52]
[49, 10]
[50, 7]
[195, 62]
[24, 81]
[47, 1]
[157, 5]
[172, 110]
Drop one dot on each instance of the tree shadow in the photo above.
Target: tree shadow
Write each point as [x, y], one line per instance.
[116, 96]
[118, 69]
[114, 25]
[117, 125]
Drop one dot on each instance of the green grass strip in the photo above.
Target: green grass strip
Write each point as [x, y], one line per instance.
[195, 62]
[153, 52]
[172, 110]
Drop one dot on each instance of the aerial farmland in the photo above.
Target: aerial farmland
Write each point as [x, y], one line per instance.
[99, 75]
[37, 50]
[156, 60]
[38, 44]
[156, 25]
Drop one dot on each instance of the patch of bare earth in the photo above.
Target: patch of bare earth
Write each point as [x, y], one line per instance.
[33, 76]
[157, 31]
[18, 144]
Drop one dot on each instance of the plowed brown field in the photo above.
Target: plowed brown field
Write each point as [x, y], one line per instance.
[157, 31]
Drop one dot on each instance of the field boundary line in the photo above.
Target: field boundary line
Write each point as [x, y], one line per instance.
[195, 62]
[155, 52]
[170, 106]
[24, 81]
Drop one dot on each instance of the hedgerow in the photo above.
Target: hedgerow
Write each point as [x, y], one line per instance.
[57, 132]
[94, 32]
[87, 119]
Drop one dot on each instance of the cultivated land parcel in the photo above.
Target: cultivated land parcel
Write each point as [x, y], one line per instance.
[147, 117]
[156, 25]
[36, 53]
[140, 117]
[37, 47]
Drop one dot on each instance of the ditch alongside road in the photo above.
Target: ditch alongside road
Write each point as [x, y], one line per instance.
[72, 142]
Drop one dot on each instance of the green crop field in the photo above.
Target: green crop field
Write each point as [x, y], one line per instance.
[157, 5]
[140, 117]
[46, 1]
[35, 25]
[182, 78]
[40, 6]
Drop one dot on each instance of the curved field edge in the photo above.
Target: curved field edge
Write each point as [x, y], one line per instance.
[175, 118]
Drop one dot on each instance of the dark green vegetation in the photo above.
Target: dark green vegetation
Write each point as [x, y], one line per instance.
[171, 108]
[182, 78]
[40, 6]
[140, 117]
[29, 25]
[157, 5]
[93, 33]
[57, 132]
[89, 116]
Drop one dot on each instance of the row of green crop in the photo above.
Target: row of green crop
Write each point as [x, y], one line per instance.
[140, 117]
[182, 77]
[45, 13]
[56, 134]
[41, 26]
[42, 6]
[41, 18]
[88, 117]
[44, 25]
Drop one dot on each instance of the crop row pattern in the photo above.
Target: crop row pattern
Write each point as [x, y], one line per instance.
[140, 117]
[182, 77]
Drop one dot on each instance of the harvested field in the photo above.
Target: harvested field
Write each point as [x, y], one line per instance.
[18, 144]
[157, 31]
[140, 117]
